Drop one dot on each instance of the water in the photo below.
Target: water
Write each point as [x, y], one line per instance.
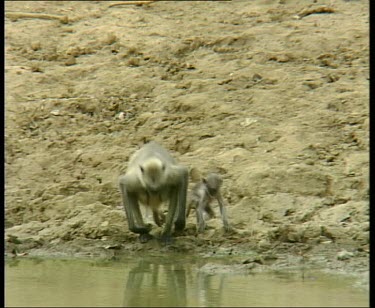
[168, 281]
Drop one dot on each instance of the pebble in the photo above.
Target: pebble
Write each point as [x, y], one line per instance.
[344, 255]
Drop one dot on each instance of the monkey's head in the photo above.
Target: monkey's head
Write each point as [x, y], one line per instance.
[153, 175]
[213, 183]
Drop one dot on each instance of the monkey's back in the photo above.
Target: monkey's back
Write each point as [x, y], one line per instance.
[151, 150]
[200, 190]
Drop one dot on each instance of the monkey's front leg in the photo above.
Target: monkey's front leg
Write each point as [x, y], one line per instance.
[133, 214]
[166, 234]
[140, 226]
[181, 199]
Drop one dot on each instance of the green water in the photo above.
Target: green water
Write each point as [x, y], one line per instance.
[168, 281]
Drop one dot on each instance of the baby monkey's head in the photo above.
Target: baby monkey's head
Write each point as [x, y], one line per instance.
[213, 183]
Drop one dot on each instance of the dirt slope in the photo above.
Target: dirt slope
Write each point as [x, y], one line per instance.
[271, 94]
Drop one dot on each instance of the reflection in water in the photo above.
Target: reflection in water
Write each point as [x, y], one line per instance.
[167, 281]
[156, 284]
[208, 293]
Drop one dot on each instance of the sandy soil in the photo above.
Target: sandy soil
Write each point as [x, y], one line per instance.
[271, 94]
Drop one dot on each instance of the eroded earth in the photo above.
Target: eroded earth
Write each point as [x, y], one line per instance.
[273, 95]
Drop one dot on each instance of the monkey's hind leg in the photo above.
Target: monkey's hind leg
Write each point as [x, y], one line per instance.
[190, 204]
[159, 217]
[201, 224]
[223, 213]
[166, 237]
[210, 211]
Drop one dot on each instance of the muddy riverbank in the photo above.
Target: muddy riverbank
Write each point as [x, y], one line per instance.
[273, 95]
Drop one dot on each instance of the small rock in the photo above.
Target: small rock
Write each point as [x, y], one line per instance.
[133, 96]
[115, 246]
[13, 239]
[189, 66]
[264, 244]
[35, 46]
[104, 224]
[257, 77]
[121, 115]
[344, 255]
[255, 259]
[55, 112]
[365, 226]
[248, 121]
[312, 84]
[70, 61]
[110, 39]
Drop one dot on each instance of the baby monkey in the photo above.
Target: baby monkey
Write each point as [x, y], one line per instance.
[202, 195]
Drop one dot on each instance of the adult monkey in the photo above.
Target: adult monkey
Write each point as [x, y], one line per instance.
[154, 177]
